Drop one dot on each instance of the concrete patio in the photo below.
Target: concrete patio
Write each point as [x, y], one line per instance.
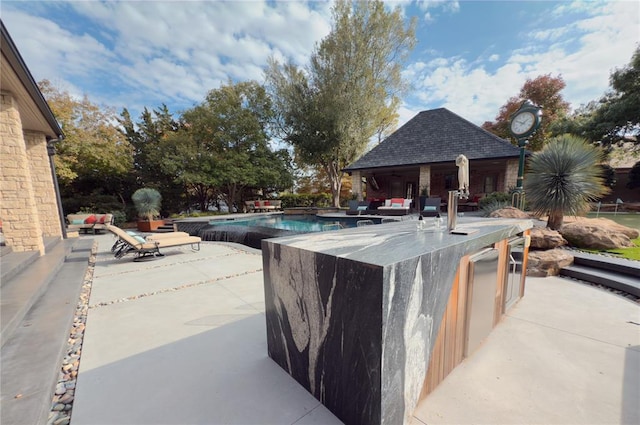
[182, 340]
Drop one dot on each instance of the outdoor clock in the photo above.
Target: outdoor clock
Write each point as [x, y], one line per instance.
[526, 120]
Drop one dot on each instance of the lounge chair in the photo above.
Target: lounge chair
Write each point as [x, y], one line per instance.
[431, 207]
[149, 248]
[361, 208]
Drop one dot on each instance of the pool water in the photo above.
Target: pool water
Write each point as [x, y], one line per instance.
[295, 223]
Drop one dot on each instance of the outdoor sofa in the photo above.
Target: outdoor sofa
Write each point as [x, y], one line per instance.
[263, 205]
[395, 206]
[88, 222]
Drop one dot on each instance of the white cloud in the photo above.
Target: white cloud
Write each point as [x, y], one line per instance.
[164, 53]
[583, 53]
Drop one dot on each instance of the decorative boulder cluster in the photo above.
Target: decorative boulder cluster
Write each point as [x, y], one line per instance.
[546, 256]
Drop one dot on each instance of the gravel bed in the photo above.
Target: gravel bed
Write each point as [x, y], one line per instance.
[62, 402]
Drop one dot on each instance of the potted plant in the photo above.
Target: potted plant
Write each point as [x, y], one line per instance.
[147, 202]
[424, 194]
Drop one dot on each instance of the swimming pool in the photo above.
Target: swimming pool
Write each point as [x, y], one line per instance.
[250, 231]
[294, 223]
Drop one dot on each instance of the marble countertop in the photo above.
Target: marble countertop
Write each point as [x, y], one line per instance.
[389, 243]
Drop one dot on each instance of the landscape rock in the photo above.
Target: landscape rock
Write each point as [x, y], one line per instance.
[596, 235]
[509, 212]
[611, 225]
[548, 263]
[545, 238]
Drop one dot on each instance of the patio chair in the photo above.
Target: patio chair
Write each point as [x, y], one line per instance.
[431, 207]
[361, 207]
[329, 227]
[388, 220]
[362, 223]
[149, 248]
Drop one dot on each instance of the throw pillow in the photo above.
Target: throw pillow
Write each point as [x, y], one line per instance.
[429, 208]
[266, 203]
[102, 219]
[77, 221]
[362, 208]
[91, 219]
[397, 201]
[396, 205]
[139, 238]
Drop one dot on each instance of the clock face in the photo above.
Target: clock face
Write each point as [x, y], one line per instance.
[522, 123]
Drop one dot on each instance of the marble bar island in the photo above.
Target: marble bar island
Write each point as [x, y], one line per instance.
[370, 319]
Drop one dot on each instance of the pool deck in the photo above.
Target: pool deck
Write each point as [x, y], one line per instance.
[182, 340]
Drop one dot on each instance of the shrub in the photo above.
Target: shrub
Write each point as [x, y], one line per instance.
[291, 200]
[493, 198]
[147, 202]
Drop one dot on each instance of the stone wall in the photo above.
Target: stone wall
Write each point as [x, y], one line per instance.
[42, 182]
[26, 189]
[511, 176]
[424, 179]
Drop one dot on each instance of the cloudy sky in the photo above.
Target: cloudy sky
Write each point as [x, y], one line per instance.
[471, 56]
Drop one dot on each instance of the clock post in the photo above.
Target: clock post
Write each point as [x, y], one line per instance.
[524, 122]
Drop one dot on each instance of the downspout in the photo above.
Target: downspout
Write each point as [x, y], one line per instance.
[51, 150]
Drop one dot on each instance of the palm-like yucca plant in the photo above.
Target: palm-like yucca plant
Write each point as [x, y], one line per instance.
[564, 177]
[147, 202]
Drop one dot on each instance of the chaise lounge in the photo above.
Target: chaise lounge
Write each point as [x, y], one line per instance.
[149, 248]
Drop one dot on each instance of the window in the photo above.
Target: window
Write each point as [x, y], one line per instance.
[449, 182]
[489, 184]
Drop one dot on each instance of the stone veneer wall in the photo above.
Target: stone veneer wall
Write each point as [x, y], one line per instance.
[511, 176]
[42, 183]
[425, 178]
[356, 184]
[18, 208]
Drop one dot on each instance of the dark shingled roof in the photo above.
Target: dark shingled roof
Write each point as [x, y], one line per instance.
[435, 136]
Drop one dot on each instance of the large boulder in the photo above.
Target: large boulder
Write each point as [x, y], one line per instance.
[545, 238]
[548, 263]
[509, 212]
[597, 235]
[610, 225]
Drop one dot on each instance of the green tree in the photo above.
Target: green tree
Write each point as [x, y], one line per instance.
[93, 149]
[222, 146]
[544, 91]
[147, 136]
[618, 113]
[564, 177]
[349, 92]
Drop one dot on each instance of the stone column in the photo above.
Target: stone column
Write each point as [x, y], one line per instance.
[425, 178]
[356, 184]
[42, 182]
[18, 208]
[511, 174]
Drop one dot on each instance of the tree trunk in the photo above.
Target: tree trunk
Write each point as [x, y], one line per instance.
[555, 219]
[335, 181]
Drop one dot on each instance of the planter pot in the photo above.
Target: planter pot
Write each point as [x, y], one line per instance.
[149, 226]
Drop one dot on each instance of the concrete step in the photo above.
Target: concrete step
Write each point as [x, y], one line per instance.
[620, 281]
[25, 281]
[32, 354]
[601, 262]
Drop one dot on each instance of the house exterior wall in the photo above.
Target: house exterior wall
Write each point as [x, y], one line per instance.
[27, 193]
[42, 183]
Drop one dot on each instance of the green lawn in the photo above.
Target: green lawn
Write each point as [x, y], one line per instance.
[626, 219]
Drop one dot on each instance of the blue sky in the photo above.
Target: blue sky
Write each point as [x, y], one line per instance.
[471, 56]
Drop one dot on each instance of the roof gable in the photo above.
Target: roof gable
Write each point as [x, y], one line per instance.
[433, 136]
